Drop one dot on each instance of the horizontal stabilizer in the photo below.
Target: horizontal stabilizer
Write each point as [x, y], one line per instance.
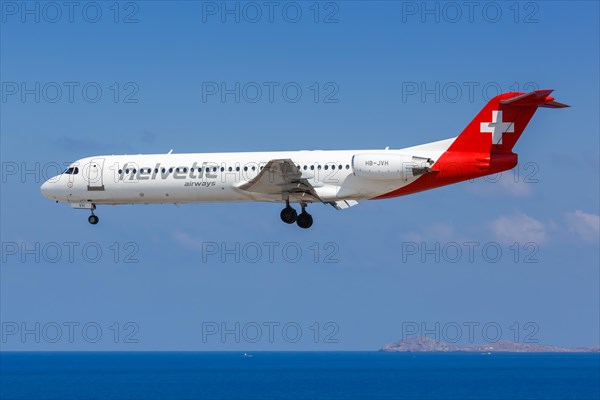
[554, 104]
[538, 98]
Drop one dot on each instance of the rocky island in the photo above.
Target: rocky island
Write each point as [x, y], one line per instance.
[424, 345]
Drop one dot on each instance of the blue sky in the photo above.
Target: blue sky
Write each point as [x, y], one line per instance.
[184, 280]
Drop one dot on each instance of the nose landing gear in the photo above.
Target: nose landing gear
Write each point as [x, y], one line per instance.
[93, 219]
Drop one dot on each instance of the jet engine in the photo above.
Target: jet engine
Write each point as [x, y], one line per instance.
[383, 166]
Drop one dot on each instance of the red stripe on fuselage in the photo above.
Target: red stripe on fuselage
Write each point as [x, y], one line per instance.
[454, 167]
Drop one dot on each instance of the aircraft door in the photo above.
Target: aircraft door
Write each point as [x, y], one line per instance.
[94, 174]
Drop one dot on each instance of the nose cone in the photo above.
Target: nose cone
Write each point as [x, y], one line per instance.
[45, 189]
[50, 190]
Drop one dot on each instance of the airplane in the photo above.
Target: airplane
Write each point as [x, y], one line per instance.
[340, 178]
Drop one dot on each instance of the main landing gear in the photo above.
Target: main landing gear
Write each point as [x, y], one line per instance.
[289, 215]
[93, 219]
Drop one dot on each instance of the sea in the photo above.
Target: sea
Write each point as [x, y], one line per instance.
[298, 375]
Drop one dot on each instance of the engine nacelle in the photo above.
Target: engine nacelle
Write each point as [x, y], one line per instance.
[389, 166]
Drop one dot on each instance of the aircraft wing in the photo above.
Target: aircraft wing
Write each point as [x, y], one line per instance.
[280, 177]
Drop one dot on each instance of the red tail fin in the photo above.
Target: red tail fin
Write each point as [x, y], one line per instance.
[485, 146]
[501, 122]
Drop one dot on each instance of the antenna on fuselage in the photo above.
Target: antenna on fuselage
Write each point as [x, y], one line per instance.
[170, 151]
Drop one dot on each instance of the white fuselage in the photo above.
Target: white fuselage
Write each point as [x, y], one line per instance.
[216, 177]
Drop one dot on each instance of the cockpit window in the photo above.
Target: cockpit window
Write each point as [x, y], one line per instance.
[71, 171]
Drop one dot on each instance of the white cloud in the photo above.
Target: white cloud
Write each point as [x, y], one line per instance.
[585, 226]
[519, 228]
[187, 241]
[515, 189]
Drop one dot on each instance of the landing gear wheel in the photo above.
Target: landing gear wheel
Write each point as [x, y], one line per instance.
[289, 215]
[304, 220]
[92, 219]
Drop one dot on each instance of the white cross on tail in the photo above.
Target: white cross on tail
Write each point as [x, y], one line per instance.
[497, 127]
